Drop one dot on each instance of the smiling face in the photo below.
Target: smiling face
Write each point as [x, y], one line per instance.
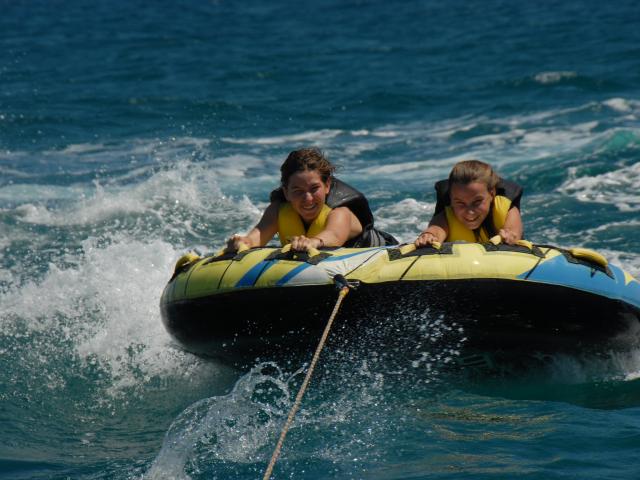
[306, 192]
[471, 203]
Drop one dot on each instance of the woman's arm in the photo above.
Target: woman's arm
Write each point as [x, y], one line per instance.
[342, 225]
[259, 235]
[512, 229]
[437, 231]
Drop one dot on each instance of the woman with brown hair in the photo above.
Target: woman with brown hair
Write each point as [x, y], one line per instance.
[313, 209]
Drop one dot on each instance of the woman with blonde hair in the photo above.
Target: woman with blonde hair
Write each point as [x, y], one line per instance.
[473, 205]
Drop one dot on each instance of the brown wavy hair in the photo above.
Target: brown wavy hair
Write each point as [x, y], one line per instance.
[306, 159]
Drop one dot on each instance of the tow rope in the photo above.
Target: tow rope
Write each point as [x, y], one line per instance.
[344, 286]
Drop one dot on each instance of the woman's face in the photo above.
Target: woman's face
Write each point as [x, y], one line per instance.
[471, 203]
[306, 192]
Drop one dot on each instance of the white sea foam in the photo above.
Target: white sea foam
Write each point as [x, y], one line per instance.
[77, 161]
[612, 366]
[25, 193]
[355, 149]
[12, 171]
[106, 307]
[618, 104]
[524, 142]
[234, 427]
[428, 170]
[623, 105]
[4, 241]
[628, 261]
[498, 139]
[386, 133]
[186, 184]
[81, 148]
[288, 140]
[237, 165]
[619, 187]
[408, 168]
[360, 133]
[519, 139]
[405, 219]
[141, 150]
[574, 137]
[548, 78]
[241, 426]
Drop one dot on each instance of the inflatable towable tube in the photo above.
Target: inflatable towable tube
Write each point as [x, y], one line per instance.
[265, 301]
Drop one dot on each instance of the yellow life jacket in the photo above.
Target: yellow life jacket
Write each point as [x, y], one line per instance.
[457, 231]
[290, 224]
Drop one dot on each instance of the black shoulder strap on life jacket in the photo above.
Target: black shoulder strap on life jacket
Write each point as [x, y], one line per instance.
[442, 195]
[511, 190]
[342, 194]
[277, 195]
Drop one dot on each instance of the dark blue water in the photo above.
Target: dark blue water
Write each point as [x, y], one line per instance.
[131, 132]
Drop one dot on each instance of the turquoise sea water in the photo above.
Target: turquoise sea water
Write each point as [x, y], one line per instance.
[131, 132]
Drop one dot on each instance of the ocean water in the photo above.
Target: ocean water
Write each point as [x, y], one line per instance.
[131, 132]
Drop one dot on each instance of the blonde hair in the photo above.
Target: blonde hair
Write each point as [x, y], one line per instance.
[469, 171]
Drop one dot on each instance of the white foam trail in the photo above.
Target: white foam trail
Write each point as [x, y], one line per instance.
[107, 307]
[237, 165]
[12, 171]
[628, 261]
[576, 136]
[405, 168]
[235, 427]
[360, 133]
[405, 219]
[614, 366]
[619, 187]
[499, 141]
[139, 151]
[520, 138]
[289, 140]
[548, 78]
[78, 160]
[187, 185]
[355, 149]
[524, 143]
[81, 148]
[385, 133]
[242, 427]
[25, 193]
[623, 105]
